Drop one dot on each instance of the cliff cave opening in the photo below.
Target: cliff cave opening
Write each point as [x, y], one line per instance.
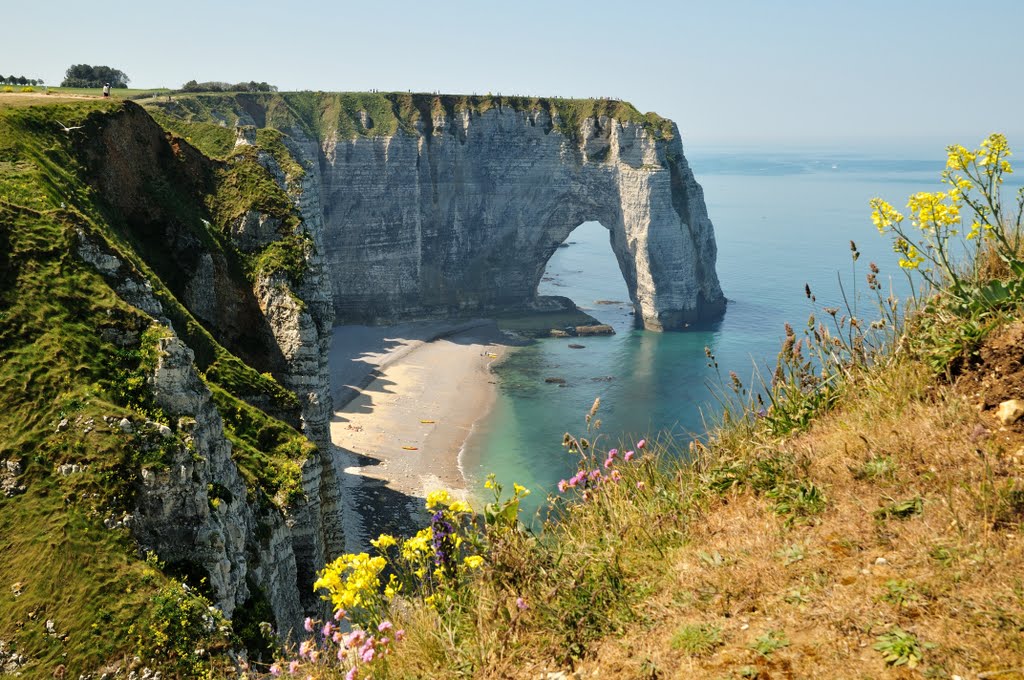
[584, 269]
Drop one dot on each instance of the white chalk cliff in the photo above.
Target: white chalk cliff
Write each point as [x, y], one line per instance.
[459, 210]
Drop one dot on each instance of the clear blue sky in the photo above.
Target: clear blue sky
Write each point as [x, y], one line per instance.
[781, 73]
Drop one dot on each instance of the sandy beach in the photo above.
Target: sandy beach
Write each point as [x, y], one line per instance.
[405, 400]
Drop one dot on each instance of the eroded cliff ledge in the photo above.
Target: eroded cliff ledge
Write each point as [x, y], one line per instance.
[446, 205]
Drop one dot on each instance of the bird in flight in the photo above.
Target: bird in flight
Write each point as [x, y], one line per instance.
[65, 128]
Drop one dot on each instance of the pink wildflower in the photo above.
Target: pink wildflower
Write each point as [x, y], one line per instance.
[328, 629]
[612, 453]
[367, 652]
[563, 486]
[400, 634]
[292, 667]
[275, 669]
[615, 476]
[641, 444]
[337, 637]
[594, 475]
[640, 485]
[354, 639]
[339, 615]
[314, 655]
[521, 604]
[609, 462]
[384, 626]
[341, 653]
[306, 648]
[351, 675]
[308, 625]
[629, 456]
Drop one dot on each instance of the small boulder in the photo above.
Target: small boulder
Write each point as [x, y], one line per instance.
[126, 426]
[555, 381]
[63, 425]
[1010, 411]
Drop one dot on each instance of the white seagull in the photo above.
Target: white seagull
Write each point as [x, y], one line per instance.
[65, 128]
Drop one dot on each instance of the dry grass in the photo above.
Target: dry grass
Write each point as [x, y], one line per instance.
[950, 575]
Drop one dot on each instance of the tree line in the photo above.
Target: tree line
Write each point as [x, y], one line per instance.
[20, 80]
[217, 86]
[84, 75]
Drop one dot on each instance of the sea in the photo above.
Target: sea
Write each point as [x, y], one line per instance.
[782, 221]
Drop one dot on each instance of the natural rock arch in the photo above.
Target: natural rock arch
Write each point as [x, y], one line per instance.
[463, 217]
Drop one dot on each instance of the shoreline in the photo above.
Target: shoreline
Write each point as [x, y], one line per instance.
[406, 400]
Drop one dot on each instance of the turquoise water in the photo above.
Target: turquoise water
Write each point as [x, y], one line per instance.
[780, 221]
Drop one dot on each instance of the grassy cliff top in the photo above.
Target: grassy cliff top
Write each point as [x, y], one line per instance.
[352, 114]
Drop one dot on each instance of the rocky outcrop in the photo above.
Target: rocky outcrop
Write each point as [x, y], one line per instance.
[462, 217]
[278, 322]
[195, 509]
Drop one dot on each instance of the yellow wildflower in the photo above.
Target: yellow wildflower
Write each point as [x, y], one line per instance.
[436, 498]
[384, 541]
[883, 215]
[418, 544]
[473, 561]
[460, 506]
[520, 490]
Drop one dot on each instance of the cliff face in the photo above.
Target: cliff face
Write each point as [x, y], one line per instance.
[464, 216]
[209, 507]
[441, 205]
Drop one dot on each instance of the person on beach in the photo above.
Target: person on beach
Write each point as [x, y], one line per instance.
[106, 90]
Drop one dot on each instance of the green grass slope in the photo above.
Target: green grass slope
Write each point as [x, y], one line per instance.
[71, 350]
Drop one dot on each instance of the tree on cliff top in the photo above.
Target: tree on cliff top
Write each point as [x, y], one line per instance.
[84, 75]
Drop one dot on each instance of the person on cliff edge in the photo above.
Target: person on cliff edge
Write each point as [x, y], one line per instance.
[106, 89]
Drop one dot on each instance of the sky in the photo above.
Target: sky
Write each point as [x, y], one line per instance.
[780, 74]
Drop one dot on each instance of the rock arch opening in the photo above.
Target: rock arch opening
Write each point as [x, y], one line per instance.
[584, 269]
